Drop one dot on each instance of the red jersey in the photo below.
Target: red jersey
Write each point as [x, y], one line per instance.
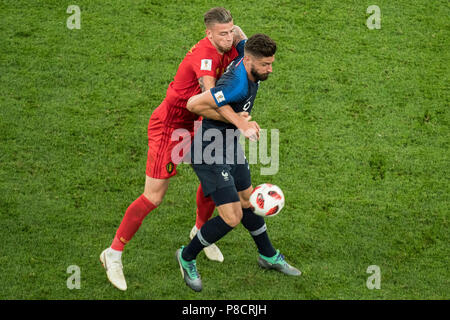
[202, 60]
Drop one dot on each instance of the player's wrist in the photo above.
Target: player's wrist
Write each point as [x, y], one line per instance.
[241, 123]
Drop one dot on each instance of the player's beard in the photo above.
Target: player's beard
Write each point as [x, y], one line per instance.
[259, 76]
[224, 49]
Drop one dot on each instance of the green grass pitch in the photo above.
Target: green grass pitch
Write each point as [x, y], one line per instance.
[363, 117]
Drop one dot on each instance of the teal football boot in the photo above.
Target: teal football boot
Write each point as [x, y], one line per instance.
[278, 263]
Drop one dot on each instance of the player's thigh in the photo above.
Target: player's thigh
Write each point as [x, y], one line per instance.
[155, 189]
[243, 183]
[213, 178]
[244, 197]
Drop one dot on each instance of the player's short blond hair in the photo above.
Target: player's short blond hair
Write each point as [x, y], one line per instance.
[217, 15]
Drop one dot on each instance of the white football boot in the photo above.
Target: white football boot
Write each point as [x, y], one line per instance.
[114, 269]
[212, 252]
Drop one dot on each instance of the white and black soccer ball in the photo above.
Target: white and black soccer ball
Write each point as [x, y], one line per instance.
[267, 200]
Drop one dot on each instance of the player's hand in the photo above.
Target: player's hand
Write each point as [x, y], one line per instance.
[250, 130]
[245, 115]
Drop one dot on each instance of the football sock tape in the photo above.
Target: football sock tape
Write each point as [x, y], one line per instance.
[212, 231]
[202, 240]
[258, 230]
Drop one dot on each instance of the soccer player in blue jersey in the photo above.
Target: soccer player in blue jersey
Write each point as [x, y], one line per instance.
[220, 163]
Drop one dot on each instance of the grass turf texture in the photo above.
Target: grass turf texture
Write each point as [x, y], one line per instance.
[364, 149]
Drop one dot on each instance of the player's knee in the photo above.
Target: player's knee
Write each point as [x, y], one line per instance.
[154, 198]
[155, 189]
[235, 219]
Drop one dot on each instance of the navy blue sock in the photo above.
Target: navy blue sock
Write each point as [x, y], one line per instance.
[212, 231]
[257, 227]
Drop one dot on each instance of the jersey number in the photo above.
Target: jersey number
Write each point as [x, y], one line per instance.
[247, 105]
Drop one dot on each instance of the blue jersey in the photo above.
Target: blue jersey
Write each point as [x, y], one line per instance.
[233, 88]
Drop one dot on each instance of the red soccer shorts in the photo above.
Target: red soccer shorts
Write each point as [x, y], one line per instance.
[164, 154]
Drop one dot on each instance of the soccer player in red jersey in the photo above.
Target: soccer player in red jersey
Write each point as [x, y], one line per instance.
[199, 70]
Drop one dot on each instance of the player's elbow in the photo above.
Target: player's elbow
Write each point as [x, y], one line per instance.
[190, 105]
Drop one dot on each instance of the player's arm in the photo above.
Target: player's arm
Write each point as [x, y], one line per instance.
[203, 104]
[239, 35]
[209, 112]
[206, 83]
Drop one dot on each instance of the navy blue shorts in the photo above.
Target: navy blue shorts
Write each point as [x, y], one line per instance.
[223, 181]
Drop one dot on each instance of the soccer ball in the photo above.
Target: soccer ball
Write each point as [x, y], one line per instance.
[267, 200]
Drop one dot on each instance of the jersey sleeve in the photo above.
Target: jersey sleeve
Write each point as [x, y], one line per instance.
[232, 90]
[240, 47]
[205, 63]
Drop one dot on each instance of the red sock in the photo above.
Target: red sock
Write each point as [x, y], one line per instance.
[131, 221]
[205, 208]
